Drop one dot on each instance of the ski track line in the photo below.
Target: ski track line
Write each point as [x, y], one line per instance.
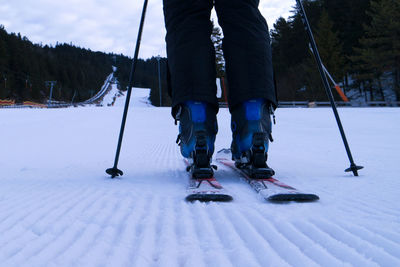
[209, 239]
[164, 157]
[160, 155]
[12, 249]
[65, 231]
[236, 254]
[147, 228]
[103, 243]
[118, 221]
[266, 253]
[179, 229]
[308, 246]
[283, 246]
[240, 252]
[60, 212]
[22, 199]
[138, 160]
[364, 207]
[124, 251]
[335, 246]
[391, 189]
[369, 207]
[17, 236]
[174, 155]
[29, 219]
[375, 253]
[100, 220]
[91, 222]
[146, 234]
[174, 158]
[98, 245]
[176, 167]
[43, 229]
[389, 246]
[192, 254]
[156, 153]
[167, 248]
[161, 212]
[364, 212]
[15, 194]
[392, 236]
[34, 203]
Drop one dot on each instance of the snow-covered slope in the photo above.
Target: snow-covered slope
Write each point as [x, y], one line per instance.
[139, 98]
[59, 208]
[111, 96]
[115, 97]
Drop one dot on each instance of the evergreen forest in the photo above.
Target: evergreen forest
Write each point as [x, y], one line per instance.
[359, 43]
[27, 68]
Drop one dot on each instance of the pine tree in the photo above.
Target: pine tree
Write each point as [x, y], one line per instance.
[330, 50]
[3, 62]
[348, 18]
[380, 48]
[329, 46]
[289, 49]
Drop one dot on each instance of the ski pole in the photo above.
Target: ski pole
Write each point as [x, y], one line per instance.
[353, 167]
[114, 171]
[337, 86]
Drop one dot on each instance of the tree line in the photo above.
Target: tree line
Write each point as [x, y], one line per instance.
[79, 73]
[358, 41]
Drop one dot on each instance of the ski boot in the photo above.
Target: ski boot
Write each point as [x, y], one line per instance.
[197, 130]
[251, 131]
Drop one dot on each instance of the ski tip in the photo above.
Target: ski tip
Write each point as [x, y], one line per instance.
[293, 197]
[209, 198]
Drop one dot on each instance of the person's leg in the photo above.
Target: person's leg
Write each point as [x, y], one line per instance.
[191, 60]
[190, 52]
[247, 51]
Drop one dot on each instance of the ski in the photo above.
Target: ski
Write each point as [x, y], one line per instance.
[269, 188]
[205, 189]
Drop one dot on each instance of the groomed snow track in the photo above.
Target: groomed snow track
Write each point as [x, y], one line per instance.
[59, 208]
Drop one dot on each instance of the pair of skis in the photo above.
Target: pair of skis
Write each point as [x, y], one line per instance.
[269, 188]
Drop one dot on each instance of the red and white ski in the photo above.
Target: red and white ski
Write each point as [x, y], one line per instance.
[206, 189]
[269, 188]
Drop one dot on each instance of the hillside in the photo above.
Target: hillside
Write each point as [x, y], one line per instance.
[77, 73]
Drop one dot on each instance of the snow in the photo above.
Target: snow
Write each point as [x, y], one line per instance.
[58, 207]
[139, 97]
[110, 97]
[219, 89]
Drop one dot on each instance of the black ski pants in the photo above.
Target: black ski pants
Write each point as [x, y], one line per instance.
[191, 54]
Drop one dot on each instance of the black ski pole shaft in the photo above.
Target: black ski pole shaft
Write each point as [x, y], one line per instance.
[353, 167]
[114, 171]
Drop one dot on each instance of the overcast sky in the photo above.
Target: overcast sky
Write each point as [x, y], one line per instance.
[102, 25]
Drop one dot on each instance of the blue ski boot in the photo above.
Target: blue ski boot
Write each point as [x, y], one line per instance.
[197, 130]
[251, 131]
